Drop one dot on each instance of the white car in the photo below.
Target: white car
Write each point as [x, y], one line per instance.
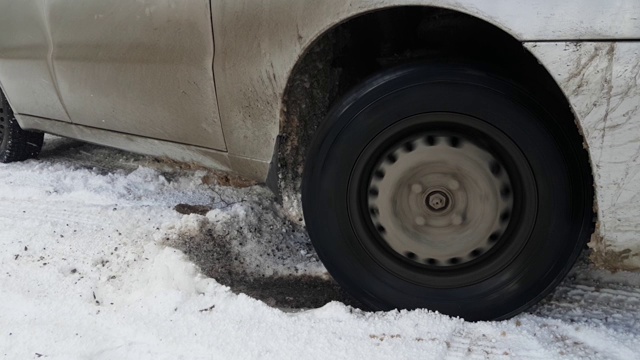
[455, 155]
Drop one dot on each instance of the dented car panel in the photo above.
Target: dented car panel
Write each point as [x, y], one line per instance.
[140, 68]
[601, 81]
[26, 74]
[135, 67]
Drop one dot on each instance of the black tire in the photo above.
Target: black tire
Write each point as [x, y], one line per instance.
[16, 144]
[548, 223]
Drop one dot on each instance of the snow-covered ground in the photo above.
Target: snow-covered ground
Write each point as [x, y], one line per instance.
[104, 255]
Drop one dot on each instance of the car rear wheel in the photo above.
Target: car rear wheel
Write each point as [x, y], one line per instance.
[447, 188]
[16, 144]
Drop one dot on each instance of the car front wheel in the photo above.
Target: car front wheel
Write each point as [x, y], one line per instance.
[448, 188]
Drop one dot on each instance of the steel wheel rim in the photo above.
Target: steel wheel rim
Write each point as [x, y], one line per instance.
[483, 135]
[439, 199]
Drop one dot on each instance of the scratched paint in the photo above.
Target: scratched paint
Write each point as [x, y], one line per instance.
[601, 81]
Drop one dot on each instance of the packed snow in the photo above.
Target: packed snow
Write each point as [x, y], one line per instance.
[109, 255]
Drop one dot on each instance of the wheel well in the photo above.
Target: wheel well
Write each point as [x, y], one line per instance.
[350, 52]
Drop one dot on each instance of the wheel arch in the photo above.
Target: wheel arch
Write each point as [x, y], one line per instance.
[324, 70]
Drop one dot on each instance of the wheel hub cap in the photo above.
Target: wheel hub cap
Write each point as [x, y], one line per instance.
[440, 200]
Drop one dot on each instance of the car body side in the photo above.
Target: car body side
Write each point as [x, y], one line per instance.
[143, 76]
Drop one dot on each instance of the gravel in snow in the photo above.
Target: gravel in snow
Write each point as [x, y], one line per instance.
[97, 263]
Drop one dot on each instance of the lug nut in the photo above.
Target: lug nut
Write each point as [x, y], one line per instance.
[437, 200]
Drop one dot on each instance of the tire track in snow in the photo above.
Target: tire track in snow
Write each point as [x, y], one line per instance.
[587, 299]
[549, 339]
[465, 344]
[563, 339]
[457, 345]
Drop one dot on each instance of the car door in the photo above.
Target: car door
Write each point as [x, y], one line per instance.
[138, 67]
[26, 75]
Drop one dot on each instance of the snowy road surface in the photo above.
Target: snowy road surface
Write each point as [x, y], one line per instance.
[96, 263]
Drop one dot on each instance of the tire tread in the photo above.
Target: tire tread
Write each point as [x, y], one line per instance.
[17, 144]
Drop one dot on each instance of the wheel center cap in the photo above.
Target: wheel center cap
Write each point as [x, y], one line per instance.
[437, 201]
